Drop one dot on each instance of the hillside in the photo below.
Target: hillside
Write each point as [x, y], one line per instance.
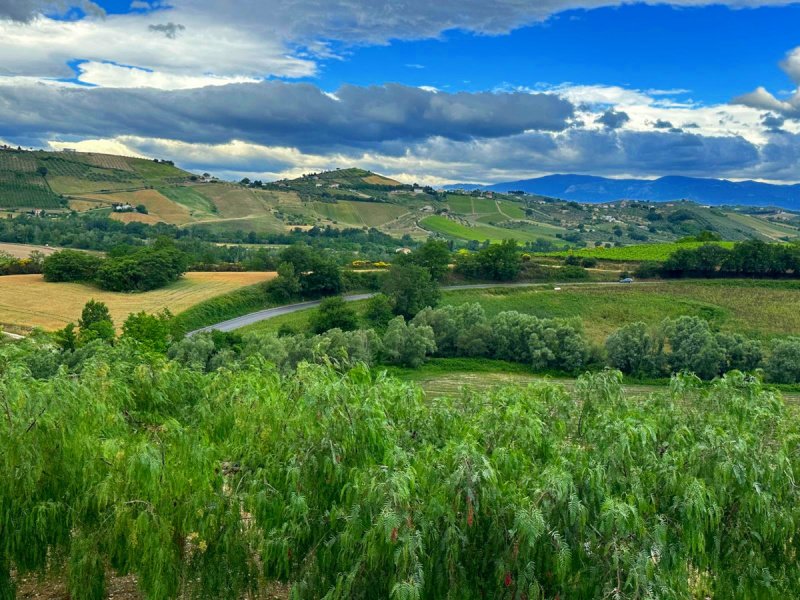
[152, 192]
[46, 180]
[584, 188]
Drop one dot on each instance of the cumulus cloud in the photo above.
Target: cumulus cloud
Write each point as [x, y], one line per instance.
[277, 113]
[760, 98]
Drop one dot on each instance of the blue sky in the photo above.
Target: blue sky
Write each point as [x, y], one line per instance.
[714, 52]
[457, 90]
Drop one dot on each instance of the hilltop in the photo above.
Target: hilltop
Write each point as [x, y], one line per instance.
[585, 188]
[151, 191]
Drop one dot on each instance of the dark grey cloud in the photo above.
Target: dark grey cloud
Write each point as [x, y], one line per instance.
[662, 124]
[169, 30]
[772, 121]
[277, 113]
[25, 10]
[600, 152]
[612, 119]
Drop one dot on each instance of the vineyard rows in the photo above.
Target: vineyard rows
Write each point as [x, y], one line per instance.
[639, 252]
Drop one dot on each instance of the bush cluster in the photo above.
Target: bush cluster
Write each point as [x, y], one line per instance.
[138, 270]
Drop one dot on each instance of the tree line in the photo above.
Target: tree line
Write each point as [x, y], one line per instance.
[752, 258]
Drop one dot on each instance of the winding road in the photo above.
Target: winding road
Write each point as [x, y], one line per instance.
[271, 313]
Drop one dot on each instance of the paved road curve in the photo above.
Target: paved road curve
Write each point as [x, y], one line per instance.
[271, 313]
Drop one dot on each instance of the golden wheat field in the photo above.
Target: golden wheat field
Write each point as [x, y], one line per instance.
[27, 301]
[24, 250]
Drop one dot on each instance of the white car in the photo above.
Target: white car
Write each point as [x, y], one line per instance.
[626, 280]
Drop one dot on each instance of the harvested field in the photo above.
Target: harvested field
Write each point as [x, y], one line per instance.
[27, 301]
[158, 206]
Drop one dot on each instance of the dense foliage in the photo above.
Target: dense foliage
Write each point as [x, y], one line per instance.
[132, 269]
[352, 485]
[145, 269]
[71, 265]
[745, 259]
[495, 262]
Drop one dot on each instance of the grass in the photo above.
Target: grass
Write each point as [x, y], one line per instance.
[28, 301]
[638, 252]
[760, 309]
[370, 214]
[480, 233]
[221, 308]
[455, 377]
[191, 198]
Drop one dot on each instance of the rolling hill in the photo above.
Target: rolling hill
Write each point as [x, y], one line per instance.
[717, 192]
[59, 182]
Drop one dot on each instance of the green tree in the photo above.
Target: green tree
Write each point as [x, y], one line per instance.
[95, 323]
[286, 286]
[334, 313]
[741, 353]
[70, 265]
[154, 332]
[783, 364]
[410, 288]
[407, 345]
[635, 351]
[66, 338]
[693, 347]
[378, 311]
[433, 255]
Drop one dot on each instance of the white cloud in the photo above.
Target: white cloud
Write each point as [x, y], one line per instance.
[44, 47]
[760, 98]
[111, 75]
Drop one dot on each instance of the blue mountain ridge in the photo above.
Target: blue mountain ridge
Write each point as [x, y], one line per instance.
[587, 188]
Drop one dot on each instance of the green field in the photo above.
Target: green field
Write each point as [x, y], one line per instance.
[191, 198]
[759, 309]
[656, 252]
[369, 214]
[481, 233]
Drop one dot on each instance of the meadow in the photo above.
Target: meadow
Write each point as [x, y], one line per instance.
[27, 301]
[758, 309]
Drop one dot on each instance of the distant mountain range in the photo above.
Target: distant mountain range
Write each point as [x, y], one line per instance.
[586, 188]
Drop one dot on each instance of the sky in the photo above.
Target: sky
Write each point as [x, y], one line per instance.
[450, 91]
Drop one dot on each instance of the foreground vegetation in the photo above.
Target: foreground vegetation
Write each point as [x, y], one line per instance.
[349, 485]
